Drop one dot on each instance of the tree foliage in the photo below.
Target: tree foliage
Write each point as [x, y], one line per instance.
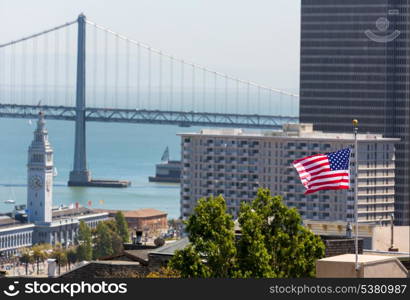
[293, 249]
[164, 273]
[115, 238]
[102, 241]
[84, 239]
[211, 233]
[26, 258]
[39, 255]
[60, 255]
[273, 242]
[72, 256]
[122, 227]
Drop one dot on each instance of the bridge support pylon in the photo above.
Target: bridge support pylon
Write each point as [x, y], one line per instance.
[80, 175]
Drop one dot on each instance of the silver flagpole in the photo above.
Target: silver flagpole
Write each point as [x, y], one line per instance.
[356, 154]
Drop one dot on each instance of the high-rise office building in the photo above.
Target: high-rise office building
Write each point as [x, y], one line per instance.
[234, 163]
[355, 63]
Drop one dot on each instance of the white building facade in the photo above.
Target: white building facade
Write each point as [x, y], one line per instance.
[234, 163]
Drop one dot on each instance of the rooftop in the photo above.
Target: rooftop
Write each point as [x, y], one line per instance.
[170, 248]
[6, 221]
[289, 131]
[361, 258]
[139, 213]
[72, 212]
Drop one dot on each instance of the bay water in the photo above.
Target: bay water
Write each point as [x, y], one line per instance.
[114, 151]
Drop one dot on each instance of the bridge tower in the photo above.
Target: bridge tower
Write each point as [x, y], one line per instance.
[80, 174]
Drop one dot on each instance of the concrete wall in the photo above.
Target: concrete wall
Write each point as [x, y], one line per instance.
[341, 246]
[385, 269]
[370, 266]
[106, 270]
[382, 236]
[156, 262]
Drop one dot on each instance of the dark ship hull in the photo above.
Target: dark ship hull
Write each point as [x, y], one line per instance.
[167, 172]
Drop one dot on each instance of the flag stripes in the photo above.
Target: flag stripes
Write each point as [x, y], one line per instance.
[324, 171]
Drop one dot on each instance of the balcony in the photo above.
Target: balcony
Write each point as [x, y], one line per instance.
[292, 156]
[186, 211]
[377, 194]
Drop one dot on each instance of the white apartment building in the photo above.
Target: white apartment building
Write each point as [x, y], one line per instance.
[235, 163]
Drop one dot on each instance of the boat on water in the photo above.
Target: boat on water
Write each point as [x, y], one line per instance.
[168, 171]
[11, 197]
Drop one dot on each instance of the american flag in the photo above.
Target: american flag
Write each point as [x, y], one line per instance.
[328, 171]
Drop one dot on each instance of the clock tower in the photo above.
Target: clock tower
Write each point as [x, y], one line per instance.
[40, 176]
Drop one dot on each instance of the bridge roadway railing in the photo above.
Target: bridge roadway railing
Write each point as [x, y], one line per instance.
[179, 118]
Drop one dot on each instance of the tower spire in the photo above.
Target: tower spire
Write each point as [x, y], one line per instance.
[40, 175]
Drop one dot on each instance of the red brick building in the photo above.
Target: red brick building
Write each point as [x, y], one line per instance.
[148, 220]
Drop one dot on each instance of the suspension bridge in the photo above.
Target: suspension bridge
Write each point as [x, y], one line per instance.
[128, 82]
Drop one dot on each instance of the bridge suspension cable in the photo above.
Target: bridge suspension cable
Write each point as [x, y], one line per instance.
[123, 73]
[159, 52]
[37, 34]
[230, 93]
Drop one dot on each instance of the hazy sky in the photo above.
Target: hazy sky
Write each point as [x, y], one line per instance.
[256, 40]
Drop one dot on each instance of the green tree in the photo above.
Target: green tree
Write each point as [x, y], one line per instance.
[116, 240]
[60, 255]
[122, 227]
[72, 257]
[116, 243]
[84, 239]
[189, 264]
[39, 255]
[254, 260]
[103, 241]
[164, 272]
[293, 248]
[26, 258]
[273, 241]
[211, 233]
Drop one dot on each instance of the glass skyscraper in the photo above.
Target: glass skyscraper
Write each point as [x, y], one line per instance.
[355, 63]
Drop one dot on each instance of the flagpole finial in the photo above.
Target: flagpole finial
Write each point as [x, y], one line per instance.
[355, 123]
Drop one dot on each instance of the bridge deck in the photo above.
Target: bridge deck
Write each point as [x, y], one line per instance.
[179, 118]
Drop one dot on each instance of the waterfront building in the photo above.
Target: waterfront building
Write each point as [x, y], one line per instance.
[234, 163]
[14, 235]
[355, 64]
[40, 222]
[150, 221]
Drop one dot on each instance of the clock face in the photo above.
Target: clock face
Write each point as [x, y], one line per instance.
[36, 182]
